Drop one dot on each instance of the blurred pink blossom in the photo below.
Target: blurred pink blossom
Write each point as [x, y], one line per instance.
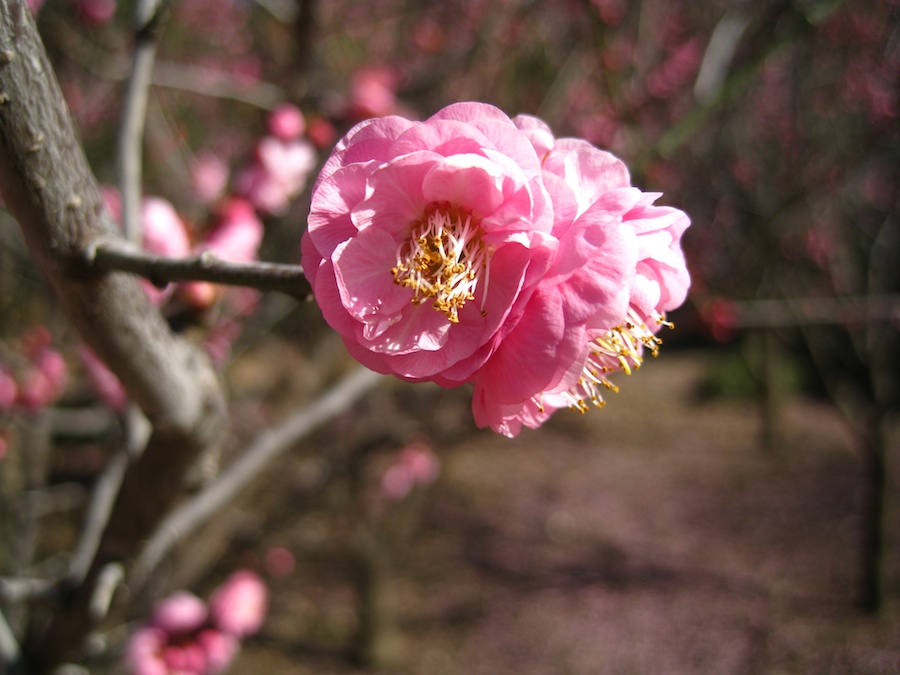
[186, 637]
[239, 605]
[321, 132]
[209, 177]
[35, 5]
[416, 464]
[164, 233]
[286, 122]
[278, 174]
[373, 93]
[181, 612]
[476, 248]
[96, 12]
[105, 383]
[236, 237]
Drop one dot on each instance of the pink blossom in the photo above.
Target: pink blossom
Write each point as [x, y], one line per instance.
[164, 233]
[475, 248]
[218, 648]
[236, 237]
[143, 652]
[279, 174]
[96, 12]
[416, 464]
[209, 177]
[106, 384]
[35, 5]
[373, 93]
[286, 122]
[238, 606]
[181, 612]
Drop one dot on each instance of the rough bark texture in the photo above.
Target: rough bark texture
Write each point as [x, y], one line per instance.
[51, 191]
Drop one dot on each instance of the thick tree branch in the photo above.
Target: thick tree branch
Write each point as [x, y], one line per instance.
[50, 189]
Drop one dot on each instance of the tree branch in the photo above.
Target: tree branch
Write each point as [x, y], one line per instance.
[50, 189]
[267, 447]
[115, 254]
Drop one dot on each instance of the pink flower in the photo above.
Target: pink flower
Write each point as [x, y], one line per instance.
[238, 606]
[219, 649]
[373, 93]
[278, 175]
[106, 384]
[209, 177]
[164, 233]
[143, 653]
[96, 12]
[476, 248]
[415, 464]
[236, 237]
[286, 122]
[181, 612]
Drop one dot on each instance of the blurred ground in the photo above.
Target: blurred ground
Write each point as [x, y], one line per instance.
[654, 536]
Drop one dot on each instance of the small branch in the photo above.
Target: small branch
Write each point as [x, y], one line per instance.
[9, 646]
[109, 579]
[269, 445]
[19, 589]
[113, 254]
[131, 130]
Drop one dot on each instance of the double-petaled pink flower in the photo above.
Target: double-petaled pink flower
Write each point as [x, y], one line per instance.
[477, 248]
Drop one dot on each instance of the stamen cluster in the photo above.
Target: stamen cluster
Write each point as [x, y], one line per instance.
[444, 259]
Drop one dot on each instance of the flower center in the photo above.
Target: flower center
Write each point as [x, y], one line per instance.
[444, 259]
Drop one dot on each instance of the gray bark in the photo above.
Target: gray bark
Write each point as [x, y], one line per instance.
[50, 189]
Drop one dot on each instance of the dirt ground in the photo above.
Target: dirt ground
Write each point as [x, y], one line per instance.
[653, 536]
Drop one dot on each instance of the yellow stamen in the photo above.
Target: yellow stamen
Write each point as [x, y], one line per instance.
[444, 259]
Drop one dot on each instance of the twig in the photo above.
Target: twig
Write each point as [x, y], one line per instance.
[9, 646]
[18, 589]
[131, 129]
[269, 445]
[104, 495]
[113, 254]
[109, 579]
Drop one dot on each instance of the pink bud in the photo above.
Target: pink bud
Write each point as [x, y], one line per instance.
[143, 652]
[321, 132]
[239, 233]
[286, 122]
[209, 177]
[106, 384]
[51, 363]
[113, 200]
[181, 612]
[96, 12]
[421, 462]
[239, 605]
[219, 649]
[35, 390]
[397, 482]
[164, 231]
